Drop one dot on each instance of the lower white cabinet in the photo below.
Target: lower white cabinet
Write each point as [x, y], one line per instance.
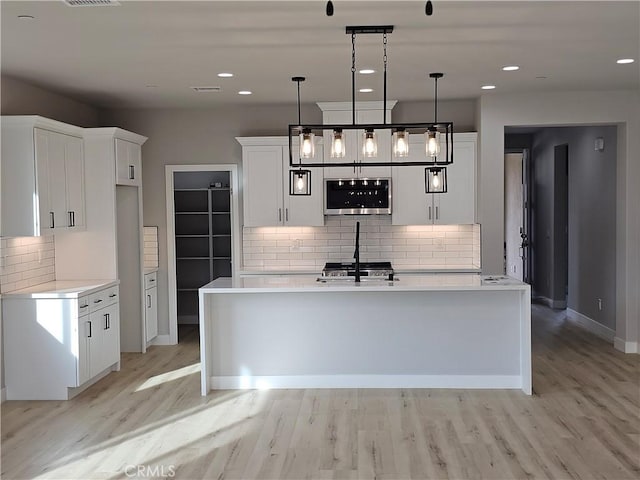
[57, 340]
[151, 306]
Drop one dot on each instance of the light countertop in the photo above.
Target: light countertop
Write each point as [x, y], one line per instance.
[61, 289]
[310, 283]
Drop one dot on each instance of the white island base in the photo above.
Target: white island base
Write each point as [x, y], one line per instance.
[423, 331]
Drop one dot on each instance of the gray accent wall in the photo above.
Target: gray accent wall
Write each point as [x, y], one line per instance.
[591, 220]
[21, 98]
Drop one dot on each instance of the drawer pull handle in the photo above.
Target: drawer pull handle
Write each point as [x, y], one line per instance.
[97, 301]
[112, 295]
[84, 306]
[152, 280]
[89, 329]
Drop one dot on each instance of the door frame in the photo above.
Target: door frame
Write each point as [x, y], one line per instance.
[170, 170]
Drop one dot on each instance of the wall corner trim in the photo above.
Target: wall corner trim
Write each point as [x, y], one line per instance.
[3, 395]
[590, 324]
[625, 347]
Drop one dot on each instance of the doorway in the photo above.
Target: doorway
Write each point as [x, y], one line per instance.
[202, 237]
[516, 216]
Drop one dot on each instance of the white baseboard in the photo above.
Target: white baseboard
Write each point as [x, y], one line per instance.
[590, 324]
[626, 347]
[162, 340]
[3, 395]
[555, 304]
[365, 381]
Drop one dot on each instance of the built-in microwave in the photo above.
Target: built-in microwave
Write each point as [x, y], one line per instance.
[357, 196]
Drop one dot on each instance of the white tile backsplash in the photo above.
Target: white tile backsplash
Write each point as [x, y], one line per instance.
[309, 248]
[26, 262]
[150, 240]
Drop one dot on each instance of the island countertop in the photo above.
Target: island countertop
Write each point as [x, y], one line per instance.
[315, 283]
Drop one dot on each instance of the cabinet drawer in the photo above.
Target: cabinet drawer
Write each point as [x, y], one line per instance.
[83, 306]
[103, 298]
[150, 280]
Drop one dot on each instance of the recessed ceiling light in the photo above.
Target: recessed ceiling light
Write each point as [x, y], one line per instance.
[151, 86]
[244, 92]
[366, 90]
[225, 75]
[541, 77]
[623, 61]
[511, 68]
[26, 17]
[488, 87]
[367, 71]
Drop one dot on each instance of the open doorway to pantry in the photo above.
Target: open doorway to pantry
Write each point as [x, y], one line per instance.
[202, 238]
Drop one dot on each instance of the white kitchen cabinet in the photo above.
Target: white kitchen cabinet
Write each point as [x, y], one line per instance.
[151, 306]
[111, 246]
[367, 114]
[43, 184]
[412, 206]
[128, 163]
[59, 338]
[265, 171]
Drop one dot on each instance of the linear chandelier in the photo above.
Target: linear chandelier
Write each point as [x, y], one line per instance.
[437, 150]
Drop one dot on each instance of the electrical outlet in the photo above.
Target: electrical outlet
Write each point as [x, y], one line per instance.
[600, 304]
[514, 268]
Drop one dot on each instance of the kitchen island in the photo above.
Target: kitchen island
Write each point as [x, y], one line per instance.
[417, 331]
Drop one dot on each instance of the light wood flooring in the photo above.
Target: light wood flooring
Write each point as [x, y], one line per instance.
[583, 422]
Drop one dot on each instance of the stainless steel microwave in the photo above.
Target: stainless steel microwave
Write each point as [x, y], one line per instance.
[357, 196]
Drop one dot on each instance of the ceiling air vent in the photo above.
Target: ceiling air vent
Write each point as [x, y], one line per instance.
[207, 89]
[92, 3]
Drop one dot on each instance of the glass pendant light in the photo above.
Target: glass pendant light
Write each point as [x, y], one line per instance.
[338, 147]
[369, 143]
[432, 137]
[300, 182]
[307, 144]
[400, 143]
[435, 179]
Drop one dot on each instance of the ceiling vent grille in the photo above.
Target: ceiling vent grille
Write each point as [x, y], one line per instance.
[92, 3]
[207, 89]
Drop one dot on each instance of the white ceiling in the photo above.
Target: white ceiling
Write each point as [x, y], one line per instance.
[108, 55]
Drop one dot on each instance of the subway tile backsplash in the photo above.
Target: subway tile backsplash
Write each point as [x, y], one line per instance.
[26, 262]
[407, 247]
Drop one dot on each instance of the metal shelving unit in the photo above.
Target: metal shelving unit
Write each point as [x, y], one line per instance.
[203, 242]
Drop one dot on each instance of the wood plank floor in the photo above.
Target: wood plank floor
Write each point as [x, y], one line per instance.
[583, 422]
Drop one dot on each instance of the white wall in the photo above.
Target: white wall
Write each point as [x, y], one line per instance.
[620, 108]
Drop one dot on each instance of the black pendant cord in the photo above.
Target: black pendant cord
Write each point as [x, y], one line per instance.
[428, 9]
[384, 59]
[299, 117]
[353, 78]
[435, 116]
[329, 9]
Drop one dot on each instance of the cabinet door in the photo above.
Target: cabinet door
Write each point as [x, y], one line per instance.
[128, 163]
[74, 181]
[151, 312]
[410, 204]
[110, 335]
[304, 210]
[56, 180]
[262, 182]
[85, 337]
[457, 206]
[43, 142]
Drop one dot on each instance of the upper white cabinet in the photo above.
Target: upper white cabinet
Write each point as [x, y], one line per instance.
[366, 113]
[412, 206]
[128, 163]
[265, 172]
[43, 183]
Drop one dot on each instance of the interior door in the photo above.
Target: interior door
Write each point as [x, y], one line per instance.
[514, 218]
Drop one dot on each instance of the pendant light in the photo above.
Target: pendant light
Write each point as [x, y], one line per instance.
[436, 180]
[369, 143]
[401, 143]
[300, 180]
[338, 147]
[432, 140]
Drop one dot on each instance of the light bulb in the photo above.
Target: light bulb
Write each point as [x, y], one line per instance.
[435, 181]
[300, 183]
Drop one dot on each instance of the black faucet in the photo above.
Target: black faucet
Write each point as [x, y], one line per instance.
[356, 254]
